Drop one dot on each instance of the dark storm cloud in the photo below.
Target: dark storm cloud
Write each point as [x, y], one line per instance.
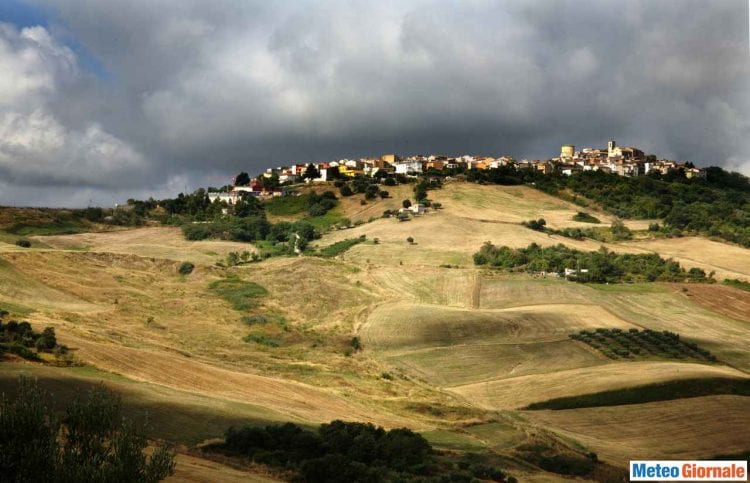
[188, 92]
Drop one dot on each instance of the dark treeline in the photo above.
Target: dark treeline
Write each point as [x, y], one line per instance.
[600, 266]
[89, 441]
[718, 205]
[349, 452]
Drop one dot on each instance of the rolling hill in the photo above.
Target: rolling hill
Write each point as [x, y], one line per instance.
[443, 347]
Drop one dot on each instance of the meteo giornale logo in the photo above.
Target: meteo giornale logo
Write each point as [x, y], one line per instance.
[695, 470]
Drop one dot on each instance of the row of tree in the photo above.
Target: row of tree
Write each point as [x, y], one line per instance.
[601, 266]
[346, 451]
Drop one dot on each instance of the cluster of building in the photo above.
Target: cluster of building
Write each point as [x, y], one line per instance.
[620, 160]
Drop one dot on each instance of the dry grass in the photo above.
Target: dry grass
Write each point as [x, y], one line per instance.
[298, 401]
[194, 469]
[153, 242]
[514, 204]
[729, 301]
[695, 428]
[728, 261]
[451, 346]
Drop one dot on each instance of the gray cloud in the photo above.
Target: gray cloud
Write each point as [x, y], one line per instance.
[196, 91]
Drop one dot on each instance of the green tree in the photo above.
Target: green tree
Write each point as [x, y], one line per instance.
[346, 190]
[406, 204]
[311, 172]
[242, 179]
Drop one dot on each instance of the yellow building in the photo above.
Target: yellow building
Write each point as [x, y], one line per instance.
[389, 158]
[351, 172]
[567, 151]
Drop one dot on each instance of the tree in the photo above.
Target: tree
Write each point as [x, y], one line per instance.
[91, 442]
[345, 190]
[410, 240]
[371, 192]
[406, 204]
[420, 191]
[47, 340]
[389, 181]
[242, 179]
[311, 172]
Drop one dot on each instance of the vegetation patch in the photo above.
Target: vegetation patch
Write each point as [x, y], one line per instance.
[344, 451]
[311, 203]
[642, 344]
[262, 339]
[584, 217]
[602, 266]
[241, 294]
[665, 391]
[264, 319]
[737, 283]
[340, 247]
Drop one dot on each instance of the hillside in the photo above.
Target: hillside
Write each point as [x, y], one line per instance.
[444, 347]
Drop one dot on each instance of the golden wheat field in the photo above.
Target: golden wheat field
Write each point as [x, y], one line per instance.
[446, 348]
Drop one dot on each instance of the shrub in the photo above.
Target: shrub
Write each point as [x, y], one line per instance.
[537, 225]
[186, 268]
[620, 231]
[346, 190]
[356, 343]
[410, 240]
[23, 243]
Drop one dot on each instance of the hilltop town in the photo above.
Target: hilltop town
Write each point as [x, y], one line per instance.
[620, 160]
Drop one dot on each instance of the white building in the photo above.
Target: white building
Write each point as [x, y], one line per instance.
[230, 198]
[409, 167]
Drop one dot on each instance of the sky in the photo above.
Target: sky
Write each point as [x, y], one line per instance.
[104, 100]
